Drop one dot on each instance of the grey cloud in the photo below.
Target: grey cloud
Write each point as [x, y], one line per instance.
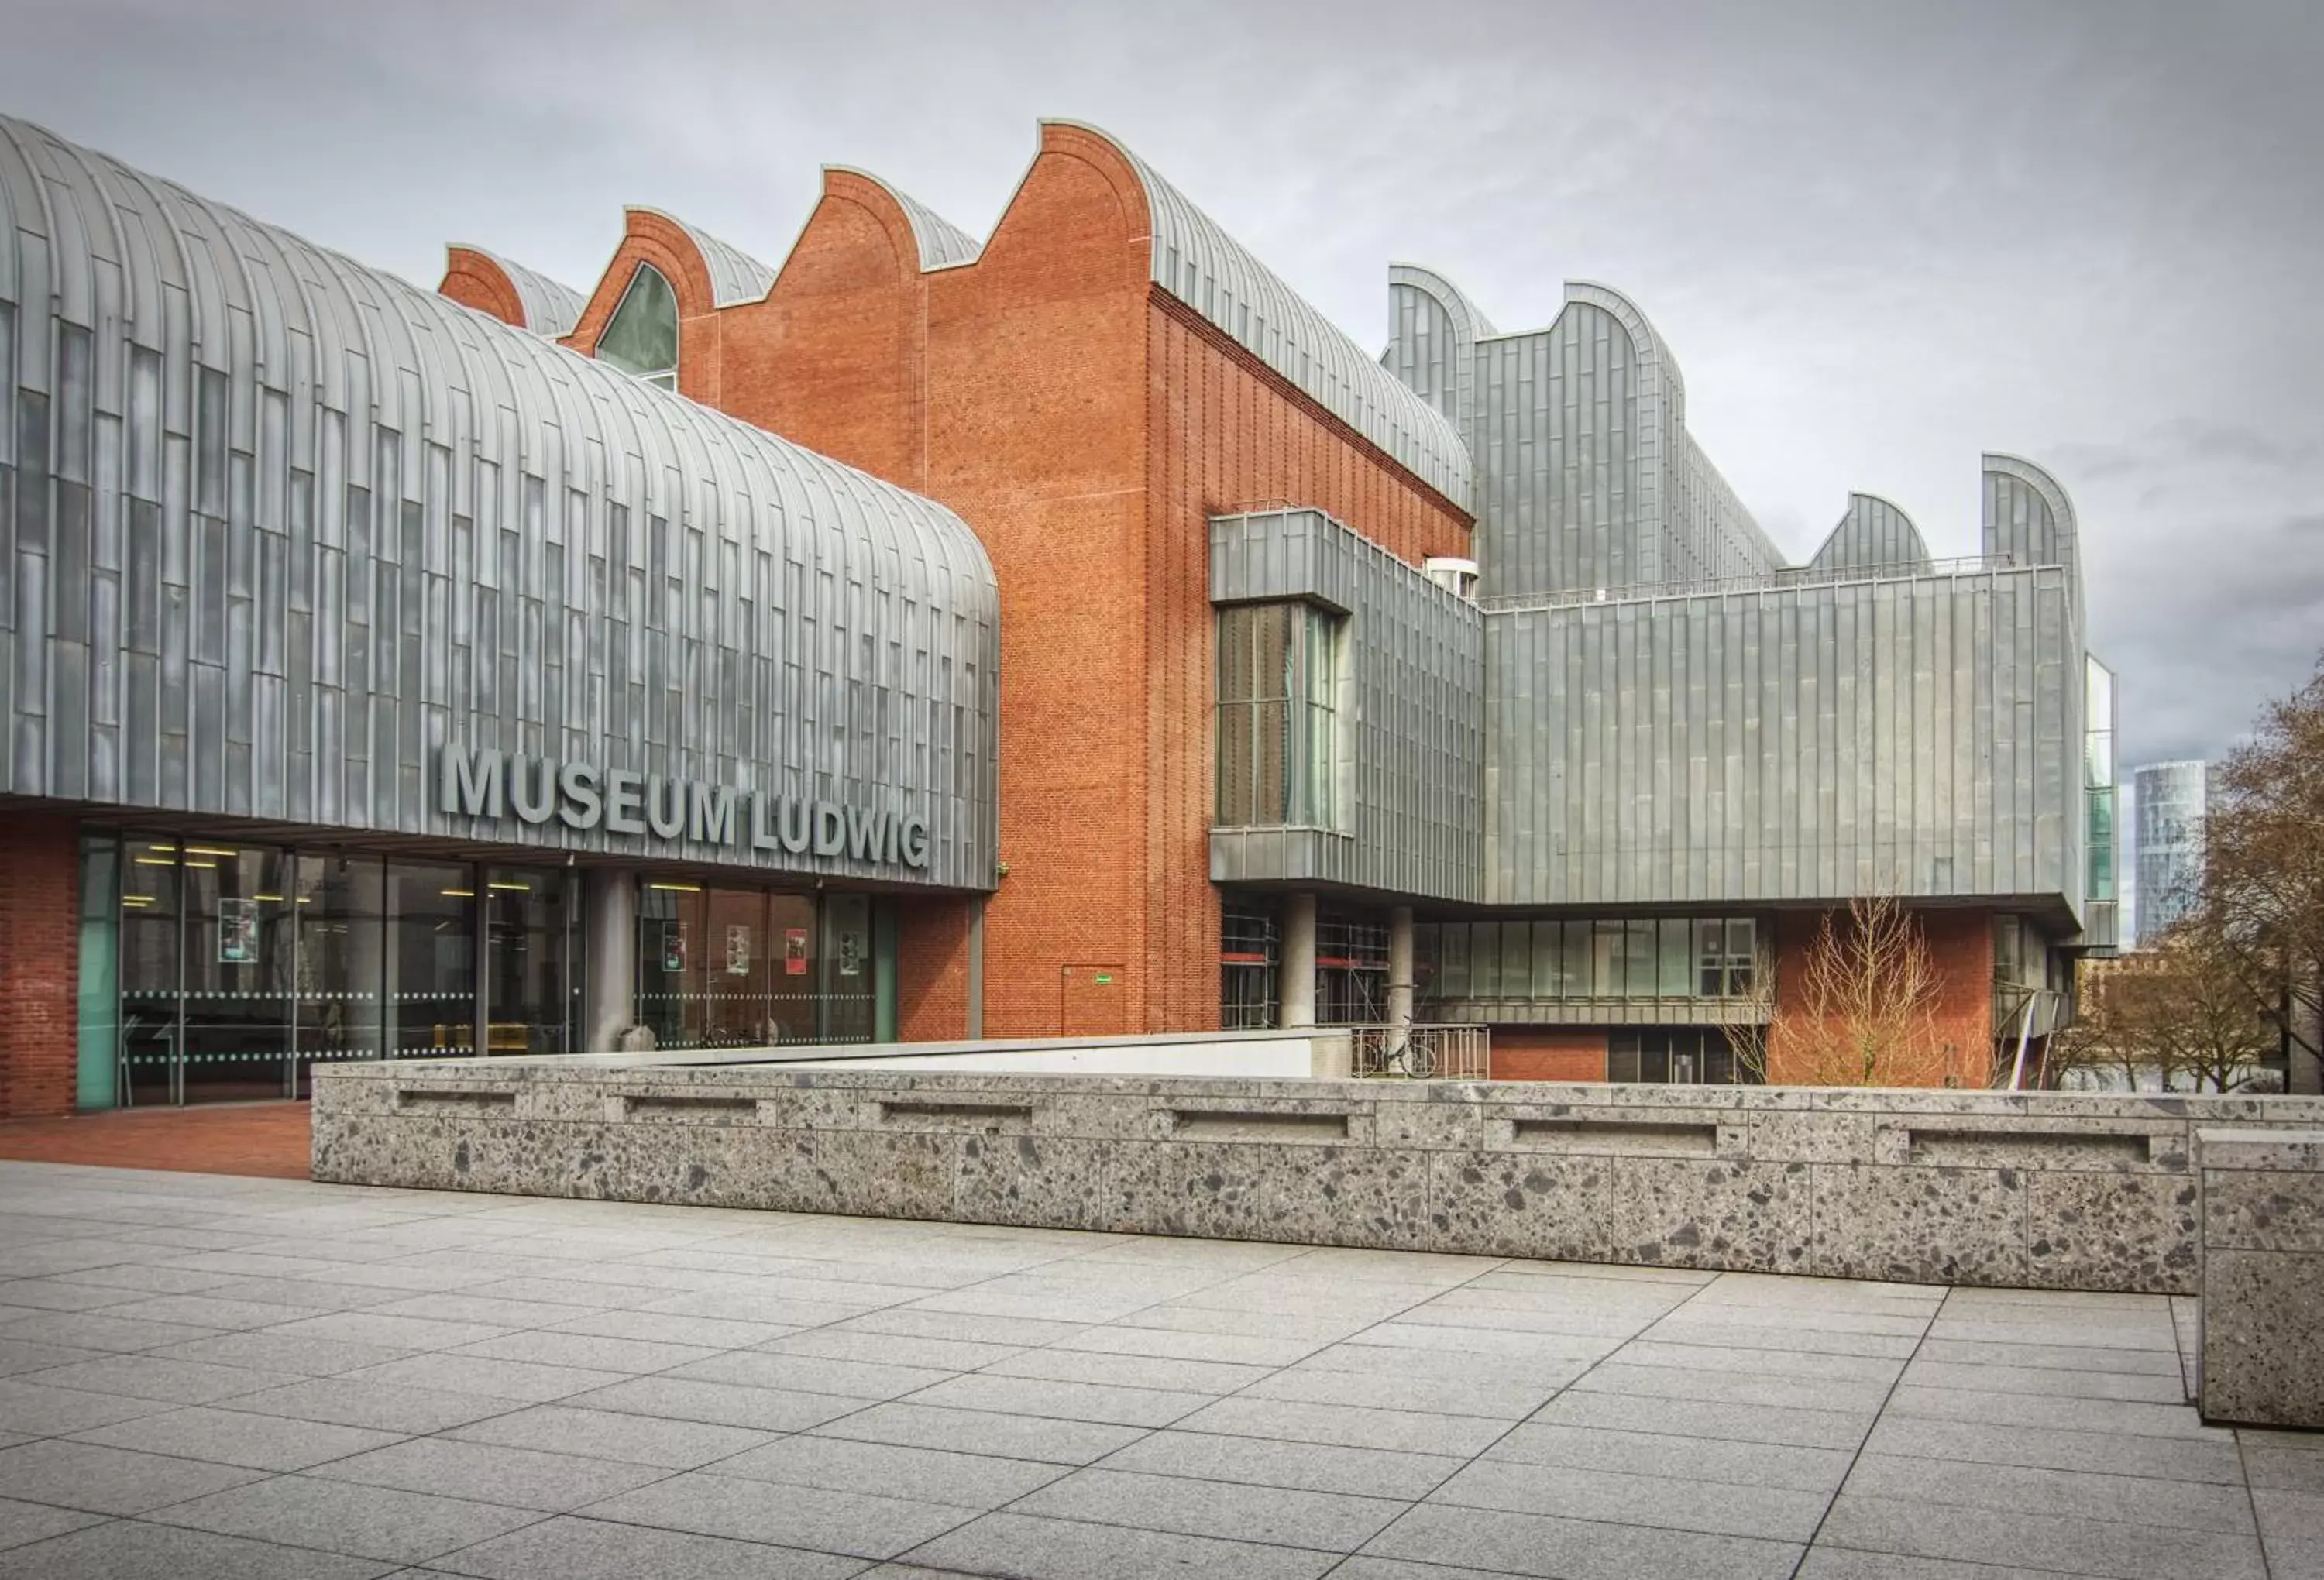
[1880, 236]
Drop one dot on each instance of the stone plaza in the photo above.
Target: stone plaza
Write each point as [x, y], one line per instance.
[254, 1378]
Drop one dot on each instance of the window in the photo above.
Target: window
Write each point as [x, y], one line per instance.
[1710, 957]
[641, 336]
[1278, 717]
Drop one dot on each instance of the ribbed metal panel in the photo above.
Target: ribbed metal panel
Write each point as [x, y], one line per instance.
[1911, 735]
[941, 243]
[1432, 342]
[550, 310]
[274, 527]
[1212, 273]
[1587, 477]
[1416, 678]
[734, 275]
[1873, 535]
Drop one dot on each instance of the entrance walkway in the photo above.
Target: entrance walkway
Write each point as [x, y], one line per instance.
[266, 1378]
[265, 1139]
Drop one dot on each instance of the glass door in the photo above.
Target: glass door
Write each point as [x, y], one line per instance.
[148, 965]
[238, 947]
[532, 990]
[848, 975]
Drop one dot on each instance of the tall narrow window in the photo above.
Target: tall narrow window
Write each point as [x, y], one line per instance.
[641, 336]
[1278, 716]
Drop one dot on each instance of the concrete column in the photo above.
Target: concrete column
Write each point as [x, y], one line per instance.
[1399, 975]
[1297, 969]
[609, 944]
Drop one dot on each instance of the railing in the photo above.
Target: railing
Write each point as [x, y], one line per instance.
[1421, 1052]
[1762, 581]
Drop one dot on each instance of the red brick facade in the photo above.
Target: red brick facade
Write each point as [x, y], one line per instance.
[1548, 1053]
[1960, 948]
[1086, 425]
[475, 280]
[39, 964]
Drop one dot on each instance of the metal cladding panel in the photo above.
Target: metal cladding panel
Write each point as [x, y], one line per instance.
[1416, 679]
[1873, 535]
[275, 527]
[1212, 273]
[1801, 743]
[1432, 343]
[1587, 477]
[734, 275]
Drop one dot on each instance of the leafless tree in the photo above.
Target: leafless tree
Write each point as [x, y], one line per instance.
[1753, 1015]
[2181, 1009]
[2264, 864]
[1868, 995]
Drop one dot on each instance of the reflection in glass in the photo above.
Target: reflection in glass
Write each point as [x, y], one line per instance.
[430, 965]
[533, 992]
[237, 950]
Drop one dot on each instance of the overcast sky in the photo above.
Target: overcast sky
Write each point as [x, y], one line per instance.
[1879, 237]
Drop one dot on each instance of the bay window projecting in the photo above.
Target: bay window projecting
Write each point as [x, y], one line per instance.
[1278, 716]
[641, 336]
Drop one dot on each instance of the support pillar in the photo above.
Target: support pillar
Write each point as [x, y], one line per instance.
[609, 945]
[1296, 971]
[1400, 977]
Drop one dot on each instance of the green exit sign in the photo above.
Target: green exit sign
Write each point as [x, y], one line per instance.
[1103, 978]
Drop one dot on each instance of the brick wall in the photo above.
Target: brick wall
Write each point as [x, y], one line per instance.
[1961, 947]
[932, 967]
[40, 957]
[1548, 1053]
[475, 280]
[1085, 425]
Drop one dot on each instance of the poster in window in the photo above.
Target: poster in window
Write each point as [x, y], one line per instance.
[737, 949]
[851, 954]
[795, 952]
[673, 946]
[237, 932]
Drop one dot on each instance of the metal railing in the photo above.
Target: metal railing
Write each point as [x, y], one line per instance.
[1777, 580]
[1421, 1052]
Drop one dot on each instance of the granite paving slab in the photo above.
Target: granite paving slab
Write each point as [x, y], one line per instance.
[682, 1393]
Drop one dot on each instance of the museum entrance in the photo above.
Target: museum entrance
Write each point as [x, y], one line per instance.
[219, 971]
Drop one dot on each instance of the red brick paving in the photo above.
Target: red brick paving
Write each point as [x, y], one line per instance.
[267, 1139]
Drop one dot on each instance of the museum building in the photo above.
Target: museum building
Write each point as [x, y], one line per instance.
[1069, 633]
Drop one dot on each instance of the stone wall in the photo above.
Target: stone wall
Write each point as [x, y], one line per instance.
[2046, 1190]
[2263, 1305]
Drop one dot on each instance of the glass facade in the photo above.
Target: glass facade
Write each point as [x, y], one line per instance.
[1638, 957]
[216, 969]
[1278, 716]
[1676, 1056]
[234, 967]
[747, 968]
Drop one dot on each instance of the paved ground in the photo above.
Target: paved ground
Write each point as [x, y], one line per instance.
[212, 1377]
[267, 1139]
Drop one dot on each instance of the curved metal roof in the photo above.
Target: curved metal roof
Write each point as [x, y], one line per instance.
[396, 500]
[550, 310]
[1208, 270]
[942, 243]
[2043, 536]
[734, 275]
[1873, 534]
[1465, 315]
